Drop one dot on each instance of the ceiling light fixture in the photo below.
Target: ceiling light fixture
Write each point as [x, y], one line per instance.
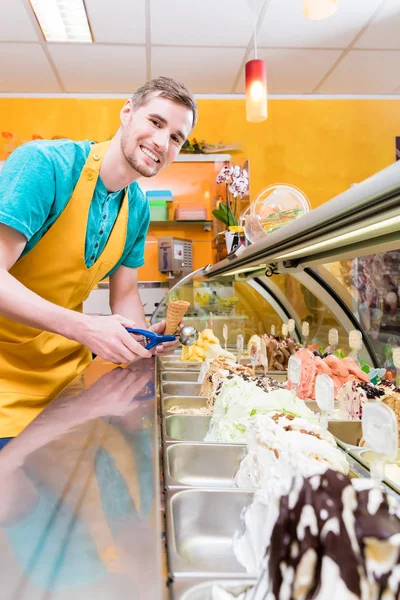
[62, 20]
[256, 87]
[319, 9]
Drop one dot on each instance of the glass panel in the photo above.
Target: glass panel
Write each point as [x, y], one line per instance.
[371, 287]
[248, 308]
[216, 301]
[303, 304]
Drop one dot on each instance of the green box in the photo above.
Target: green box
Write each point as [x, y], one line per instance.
[158, 210]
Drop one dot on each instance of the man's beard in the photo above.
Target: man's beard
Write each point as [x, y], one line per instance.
[134, 163]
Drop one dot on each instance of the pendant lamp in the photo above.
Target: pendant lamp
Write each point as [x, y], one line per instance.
[256, 88]
[319, 9]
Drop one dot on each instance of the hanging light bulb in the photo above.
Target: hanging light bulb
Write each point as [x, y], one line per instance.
[256, 88]
[319, 9]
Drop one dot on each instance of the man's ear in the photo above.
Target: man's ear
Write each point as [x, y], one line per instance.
[126, 113]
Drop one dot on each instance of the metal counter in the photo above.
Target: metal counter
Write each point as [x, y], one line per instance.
[80, 513]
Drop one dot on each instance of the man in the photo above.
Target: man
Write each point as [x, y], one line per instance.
[71, 214]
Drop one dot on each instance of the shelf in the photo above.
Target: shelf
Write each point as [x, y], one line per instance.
[203, 158]
[205, 224]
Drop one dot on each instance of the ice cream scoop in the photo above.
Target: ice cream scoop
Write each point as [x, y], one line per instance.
[188, 335]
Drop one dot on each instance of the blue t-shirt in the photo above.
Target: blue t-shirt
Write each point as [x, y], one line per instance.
[37, 182]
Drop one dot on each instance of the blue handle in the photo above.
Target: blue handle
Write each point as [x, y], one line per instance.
[154, 338]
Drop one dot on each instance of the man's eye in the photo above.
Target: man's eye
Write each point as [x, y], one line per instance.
[156, 123]
[176, 139]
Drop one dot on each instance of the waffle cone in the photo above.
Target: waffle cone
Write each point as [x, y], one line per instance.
[175, 313]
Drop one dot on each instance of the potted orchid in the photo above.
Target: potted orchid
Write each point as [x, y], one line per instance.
[236, 182]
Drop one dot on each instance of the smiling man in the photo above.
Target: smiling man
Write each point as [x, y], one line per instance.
[71, 214]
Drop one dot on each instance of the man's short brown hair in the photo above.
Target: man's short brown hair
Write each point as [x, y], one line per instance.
[166, 88]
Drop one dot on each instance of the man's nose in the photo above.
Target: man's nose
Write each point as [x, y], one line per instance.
[161, 139]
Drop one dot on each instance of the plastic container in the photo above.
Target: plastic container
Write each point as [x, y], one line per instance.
[275, 206]
[159, 195]
[190, 213]
[158, 210]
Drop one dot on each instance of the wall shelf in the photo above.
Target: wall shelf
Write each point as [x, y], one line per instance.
[205, 224]
[203, 158]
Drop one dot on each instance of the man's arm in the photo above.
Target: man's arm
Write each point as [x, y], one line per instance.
[105, 336]
[124, 295]
[125, 300]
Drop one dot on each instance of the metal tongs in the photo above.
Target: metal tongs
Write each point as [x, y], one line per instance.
[187, 336]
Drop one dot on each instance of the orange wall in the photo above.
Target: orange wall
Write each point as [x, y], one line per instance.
[320, 146]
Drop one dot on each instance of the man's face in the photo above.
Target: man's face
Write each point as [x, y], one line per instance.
[152, 135]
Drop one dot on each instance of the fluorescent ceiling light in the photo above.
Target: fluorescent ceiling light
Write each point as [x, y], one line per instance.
[62, 20]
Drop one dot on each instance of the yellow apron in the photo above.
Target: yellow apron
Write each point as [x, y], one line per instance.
[36, 365]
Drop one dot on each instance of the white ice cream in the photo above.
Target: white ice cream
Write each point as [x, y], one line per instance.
[239, 400]
[279, 447]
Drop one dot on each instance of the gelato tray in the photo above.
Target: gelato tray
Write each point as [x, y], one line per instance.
[200, 542]
[347, 433]
[214, 465]
[392, 470]
[195, 589]
[180, 376]
[183, 403]
[185, 428]
[202, 465]
[180, 388]
[193, 428]
[172, 364]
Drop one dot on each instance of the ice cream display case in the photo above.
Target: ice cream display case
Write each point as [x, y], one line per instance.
[322, 292]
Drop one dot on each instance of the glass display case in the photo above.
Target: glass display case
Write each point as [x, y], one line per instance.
[336, 267]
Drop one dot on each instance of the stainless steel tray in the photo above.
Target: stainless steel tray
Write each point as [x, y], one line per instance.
[347, 433]
[193, 428]
[363, 456]
[200, 541]
[200, 402]
[196, 589]
[184, 401]
[180, 389]
[214, 466]
[202, 465]
[185, 428]
[173, 364]
[180, 376]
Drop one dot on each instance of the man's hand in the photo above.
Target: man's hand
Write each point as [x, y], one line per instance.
[166, 347]
[115, 392]
[108, 338]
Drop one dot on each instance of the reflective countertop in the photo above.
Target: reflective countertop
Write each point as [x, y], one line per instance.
[80, 494]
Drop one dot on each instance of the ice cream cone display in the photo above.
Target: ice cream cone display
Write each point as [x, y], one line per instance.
[175, 312]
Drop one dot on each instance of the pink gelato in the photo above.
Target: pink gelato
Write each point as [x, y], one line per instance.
[341, 370]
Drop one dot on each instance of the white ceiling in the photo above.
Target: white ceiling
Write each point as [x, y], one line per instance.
[206, 44]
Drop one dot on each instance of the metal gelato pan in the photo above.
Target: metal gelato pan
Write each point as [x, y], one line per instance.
[187, 402]
[196, 589]
[214, 466]
[185, 428]
[193, 428]
[200, 528]
[347, 433]
[180, 376]
[172, 364]
[202, 465]
[180, 389]
[364, 456]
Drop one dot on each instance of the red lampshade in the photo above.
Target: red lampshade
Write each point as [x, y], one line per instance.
[256, 91]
